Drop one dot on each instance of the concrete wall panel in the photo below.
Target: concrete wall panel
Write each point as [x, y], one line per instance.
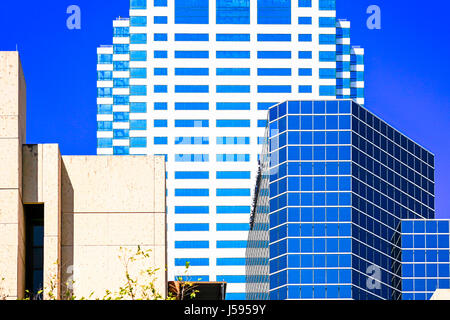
[109, 184]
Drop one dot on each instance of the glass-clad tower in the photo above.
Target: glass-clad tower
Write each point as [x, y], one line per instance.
[425, 257]
[336, 186]
[192, 80]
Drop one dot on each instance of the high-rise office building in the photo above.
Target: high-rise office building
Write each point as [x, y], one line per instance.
[192, 80]
[425, 257]
[343, 209]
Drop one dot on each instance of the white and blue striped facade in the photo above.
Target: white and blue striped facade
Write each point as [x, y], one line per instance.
[193, 80]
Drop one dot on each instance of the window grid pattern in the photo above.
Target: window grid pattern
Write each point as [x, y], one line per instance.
[425, 258]
[331, 222]
[155, 83]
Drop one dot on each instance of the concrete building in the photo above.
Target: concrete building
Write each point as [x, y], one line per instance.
[441, 294]
[64, 219]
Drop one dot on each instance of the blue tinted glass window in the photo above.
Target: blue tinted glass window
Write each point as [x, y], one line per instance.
[304, 20]
[160, 3]
[274, 89]
[327, 73]
[121, 116]
[159, 123]
[265, 105]
[160, 71]
[104, 143]
[327, 39]
[160, 88]
[191, 123]
[274, 37]
[235, 123]
[181, 262]
[138, 124]
[121, 48]
[192, 54]
[274, 11]
[304, 3]
[191, 244]
[138, 107]
[104, 75]
[274, 55]
[121, 150]
[121, 65]
[192, 158]
[140, 21]
[191, 71]
[232, 37]
[305, 37]
[191, 37]
[232, 209]
[327, 56]
[327, 22]
[138, 73]
[138, 4]
[232, 89]
[327, 4]
[138, 55]
[233, 54]
[191, 89]
[121, 32]
[138, 142]
[160, 105]
[305, 72]
[104, 109]
[191, 192]
[232, 106]
[233, 71]
[191, 227]
[160, 20]
[104, 92]
[233, 12]
[305, 89]
[274, 72]
[191, 106]
[305, 54]
[233, 175]
[138, 38]
[121, 100]
[187, 175]
[138, 90]
[160, 37]
[121, 134]
[104, 58]
[327, 90]
[191, 11]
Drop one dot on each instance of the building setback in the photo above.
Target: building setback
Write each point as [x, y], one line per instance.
[192, 80]
[344, 209]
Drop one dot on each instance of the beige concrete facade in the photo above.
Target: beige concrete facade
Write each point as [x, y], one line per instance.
[108, 203]
[441, 294]
[93, 206]
[12, 137]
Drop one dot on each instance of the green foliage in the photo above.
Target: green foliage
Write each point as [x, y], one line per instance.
[139, 286]
[183, 288]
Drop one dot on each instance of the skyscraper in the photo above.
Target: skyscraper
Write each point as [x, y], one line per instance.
[425, 257]
[193, 80]
[344, 209]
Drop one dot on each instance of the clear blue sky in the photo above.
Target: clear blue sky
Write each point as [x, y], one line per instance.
[407, 70]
